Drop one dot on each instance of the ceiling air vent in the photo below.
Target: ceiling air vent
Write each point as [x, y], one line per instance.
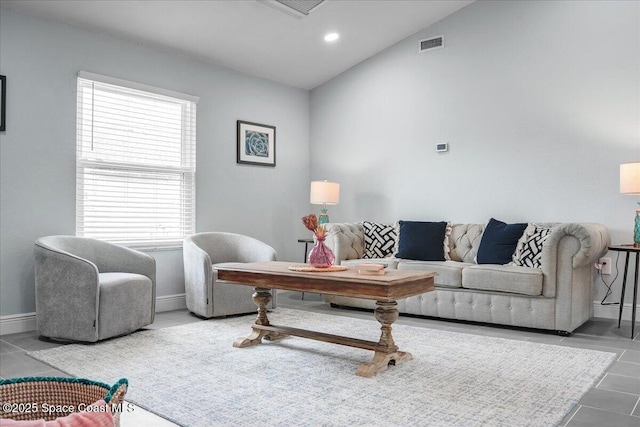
[431, 44]
[296, 8]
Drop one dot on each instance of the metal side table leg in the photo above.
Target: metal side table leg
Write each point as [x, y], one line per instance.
[635, 297]
[624, 285]
[306, 253]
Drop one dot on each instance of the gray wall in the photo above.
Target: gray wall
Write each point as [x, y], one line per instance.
[539, 101]
[37, 151]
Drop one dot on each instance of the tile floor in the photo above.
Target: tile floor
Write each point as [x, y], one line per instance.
[613, 401]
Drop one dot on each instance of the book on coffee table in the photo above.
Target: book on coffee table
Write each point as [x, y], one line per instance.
[370, 268]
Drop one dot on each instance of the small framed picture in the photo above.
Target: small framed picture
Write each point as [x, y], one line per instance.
[256, 144]
[3, 102]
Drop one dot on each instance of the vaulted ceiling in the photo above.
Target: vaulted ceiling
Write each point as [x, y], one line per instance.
[257, 37]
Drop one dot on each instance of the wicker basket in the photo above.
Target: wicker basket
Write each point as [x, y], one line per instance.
[33, 398]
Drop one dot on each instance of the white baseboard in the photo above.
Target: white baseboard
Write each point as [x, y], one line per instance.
[14, 323]
[171, 302]
[25, 322]
[612, 311]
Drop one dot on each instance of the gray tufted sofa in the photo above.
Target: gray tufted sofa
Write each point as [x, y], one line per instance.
[559, 296]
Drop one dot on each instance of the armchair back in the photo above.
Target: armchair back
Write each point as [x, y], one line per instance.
[230, 247]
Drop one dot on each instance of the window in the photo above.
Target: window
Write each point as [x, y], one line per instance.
[136, 163]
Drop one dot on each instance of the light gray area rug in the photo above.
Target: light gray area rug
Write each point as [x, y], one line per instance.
[193, 376]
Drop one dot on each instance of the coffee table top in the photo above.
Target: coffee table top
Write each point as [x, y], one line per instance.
[393, 285]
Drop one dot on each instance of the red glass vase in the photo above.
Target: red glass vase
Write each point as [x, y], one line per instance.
[321, 256]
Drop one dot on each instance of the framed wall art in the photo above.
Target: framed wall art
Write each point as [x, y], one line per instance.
[3, 102]
[256, 144]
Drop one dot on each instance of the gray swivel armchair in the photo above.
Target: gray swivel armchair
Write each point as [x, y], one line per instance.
[90, 290]
[208, 298]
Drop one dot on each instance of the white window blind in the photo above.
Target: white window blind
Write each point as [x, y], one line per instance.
[136, 164]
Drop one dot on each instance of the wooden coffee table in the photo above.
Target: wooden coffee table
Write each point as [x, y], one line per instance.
[385, 290]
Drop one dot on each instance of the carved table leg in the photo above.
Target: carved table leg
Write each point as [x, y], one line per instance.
[262, 298]
[386, 313]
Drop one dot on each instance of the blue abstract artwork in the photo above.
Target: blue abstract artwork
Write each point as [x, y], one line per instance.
[256, 144]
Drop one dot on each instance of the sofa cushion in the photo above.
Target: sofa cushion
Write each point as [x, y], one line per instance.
[449, 272]
[529, 248]
[124, 303]
[379, 239]
[503, 278]
[499, 242]
[422, 241]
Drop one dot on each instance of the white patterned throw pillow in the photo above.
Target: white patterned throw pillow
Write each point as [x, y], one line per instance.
[529, 248]
[379, 239]
[447, 247]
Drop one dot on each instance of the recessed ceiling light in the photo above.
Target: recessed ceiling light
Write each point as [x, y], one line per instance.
[331, 37]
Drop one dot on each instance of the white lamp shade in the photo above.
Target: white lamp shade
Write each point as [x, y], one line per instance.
[324, 193]
[630, 178]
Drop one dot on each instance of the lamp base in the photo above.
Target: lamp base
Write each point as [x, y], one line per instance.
[323, 218]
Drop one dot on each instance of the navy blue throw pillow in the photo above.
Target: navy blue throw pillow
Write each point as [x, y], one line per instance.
[499, 242]
[421, 241]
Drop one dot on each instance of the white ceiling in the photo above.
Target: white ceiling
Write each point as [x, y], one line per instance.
[251, 36]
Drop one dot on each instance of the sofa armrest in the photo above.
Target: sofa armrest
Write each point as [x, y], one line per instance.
[198, 276]
[591, 241]
[593, 238]
[567, 257]
[65, 280]
[346, 240]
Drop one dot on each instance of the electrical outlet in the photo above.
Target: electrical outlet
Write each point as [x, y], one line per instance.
[606, 265]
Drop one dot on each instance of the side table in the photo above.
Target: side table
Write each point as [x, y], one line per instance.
[306, 247]
[306, 253]
[628, 249]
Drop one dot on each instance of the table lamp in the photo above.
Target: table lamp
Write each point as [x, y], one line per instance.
[630, 184]
[324, 193]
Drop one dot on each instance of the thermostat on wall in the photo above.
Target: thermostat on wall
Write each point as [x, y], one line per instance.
[442, 147]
